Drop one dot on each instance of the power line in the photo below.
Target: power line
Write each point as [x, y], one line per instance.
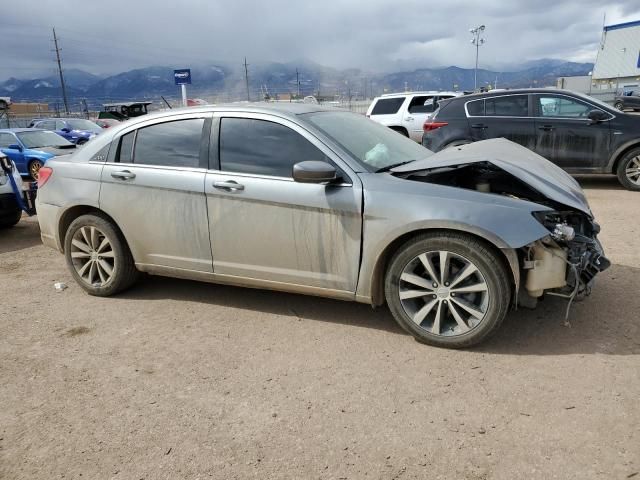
[246, 77]
[62, 85]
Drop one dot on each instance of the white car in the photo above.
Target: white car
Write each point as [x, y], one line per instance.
[406, 112]
[10, 212]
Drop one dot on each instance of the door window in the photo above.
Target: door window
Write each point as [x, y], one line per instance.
[60, 125]
[47, 125]
[422, 104]
[263, 148]
[170, 144]
[7, 139]
[475, 108]
[511, 106]
[125, 150]
[551, 106]
[387, 106]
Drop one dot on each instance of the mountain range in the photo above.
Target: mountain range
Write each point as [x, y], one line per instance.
[222, 82]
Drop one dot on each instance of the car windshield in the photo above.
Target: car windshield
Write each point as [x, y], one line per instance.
[81, 124]
[374, 146]
[42, 139]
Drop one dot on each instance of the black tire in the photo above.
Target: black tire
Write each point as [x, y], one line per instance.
[489, 265]
[124, 273]
[34, 167]
[618, 106]
[632, 156]
[82, 141]
[10, 220]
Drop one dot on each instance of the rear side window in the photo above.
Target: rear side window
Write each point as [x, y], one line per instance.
[263, 148]
[422, 104]
[476, 108]
[170, 144]
[511, 106]
[387, 106]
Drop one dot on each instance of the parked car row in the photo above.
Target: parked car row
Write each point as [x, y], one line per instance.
[314, 200]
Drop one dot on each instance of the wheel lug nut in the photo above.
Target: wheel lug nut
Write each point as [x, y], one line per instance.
[453, 294]
[446, 284]
[435, 296]
[435, 285]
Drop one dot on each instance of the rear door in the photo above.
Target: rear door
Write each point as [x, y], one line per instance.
[566, 136]
[507, 116]
[267, 227]
[420, 108]
[153, 187]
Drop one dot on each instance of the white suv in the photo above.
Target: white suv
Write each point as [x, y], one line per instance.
[10, 212]
[406, 112]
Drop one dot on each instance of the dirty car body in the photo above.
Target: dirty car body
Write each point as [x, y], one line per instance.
[312, 200]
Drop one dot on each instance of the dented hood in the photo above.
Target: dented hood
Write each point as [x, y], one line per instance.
[527, 166]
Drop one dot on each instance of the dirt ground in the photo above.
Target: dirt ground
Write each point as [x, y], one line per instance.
[182, 380]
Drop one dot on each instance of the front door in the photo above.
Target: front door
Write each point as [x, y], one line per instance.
[267, 227]
[153, 187]
[566, 136]
[502, 117]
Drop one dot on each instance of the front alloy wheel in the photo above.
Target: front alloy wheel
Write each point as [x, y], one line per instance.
[629, 170]
[443, 293]
[34, 168]
[448, 289]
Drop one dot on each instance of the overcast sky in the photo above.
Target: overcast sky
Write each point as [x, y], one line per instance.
[111, 36]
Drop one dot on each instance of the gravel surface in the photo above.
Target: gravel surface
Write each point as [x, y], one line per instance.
[182, 380]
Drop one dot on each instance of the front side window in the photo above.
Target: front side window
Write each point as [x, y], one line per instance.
[263, 148]
[7, 139]
[60, 125]
[387, 106]
[511, 106]
[552, 106]
[422, 104]
[170, 144]
[47, 125]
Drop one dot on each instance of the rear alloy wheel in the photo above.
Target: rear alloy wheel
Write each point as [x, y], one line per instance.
[98, 256]
[618, 106]
[447, 289]
[629, 170]
[34, 168]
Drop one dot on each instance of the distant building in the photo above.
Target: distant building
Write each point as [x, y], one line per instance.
[618, 62]
[578, 83]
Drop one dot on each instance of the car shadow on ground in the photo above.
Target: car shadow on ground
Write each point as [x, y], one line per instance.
[605, 323]
[25, 234]
[599, 182]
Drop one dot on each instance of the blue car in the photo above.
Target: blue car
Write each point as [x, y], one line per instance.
[76, 130]
[30, 148]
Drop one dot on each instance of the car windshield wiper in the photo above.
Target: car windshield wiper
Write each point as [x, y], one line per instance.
[393, 165]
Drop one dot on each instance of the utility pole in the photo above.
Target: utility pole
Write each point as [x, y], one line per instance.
[62, 85]
[298, 82]
[246, 77]
[477, 41]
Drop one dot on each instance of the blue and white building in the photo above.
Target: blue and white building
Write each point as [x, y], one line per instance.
[618, 61]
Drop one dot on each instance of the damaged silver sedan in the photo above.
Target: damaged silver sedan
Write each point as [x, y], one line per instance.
[312, 200]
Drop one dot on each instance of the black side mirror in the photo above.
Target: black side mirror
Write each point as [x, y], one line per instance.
[597, 116]
[65, 130]
[313, 171]
[15, 146]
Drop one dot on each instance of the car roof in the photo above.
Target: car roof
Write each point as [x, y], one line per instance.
[285, 109]
[18, 130]
[125, 104]
[514, 91]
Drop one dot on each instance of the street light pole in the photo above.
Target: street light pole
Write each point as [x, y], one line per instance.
[477, 41]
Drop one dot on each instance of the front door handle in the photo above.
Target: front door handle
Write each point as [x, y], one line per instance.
[228, 185]
[479, 125]
[547, 128]
[123, 175]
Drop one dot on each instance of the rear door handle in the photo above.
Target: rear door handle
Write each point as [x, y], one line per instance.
[547, 128]
[228, 185]
[123, 175]
[409, 119]
[479, 125]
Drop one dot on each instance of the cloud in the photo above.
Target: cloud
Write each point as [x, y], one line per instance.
[375, 35]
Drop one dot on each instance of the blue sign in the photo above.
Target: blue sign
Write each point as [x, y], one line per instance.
[182, 76]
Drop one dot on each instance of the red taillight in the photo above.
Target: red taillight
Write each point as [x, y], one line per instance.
[430, 126]
[44, 174]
